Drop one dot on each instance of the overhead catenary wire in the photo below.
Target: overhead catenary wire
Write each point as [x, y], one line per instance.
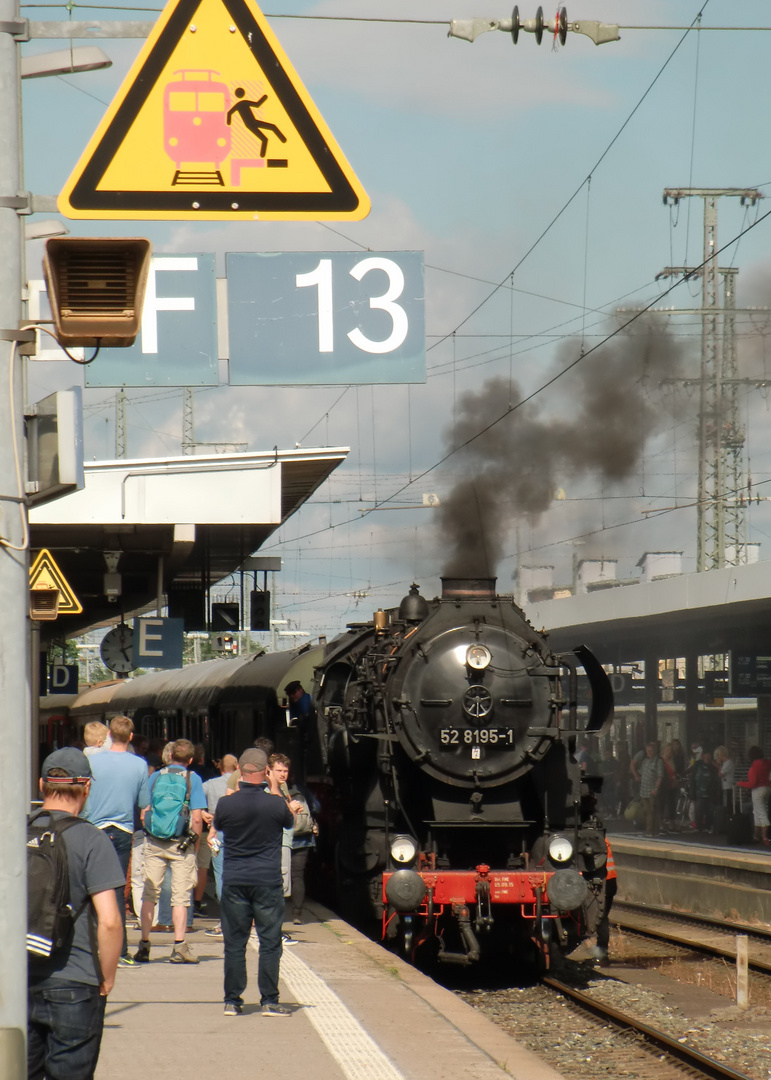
[585, 181]
[73, 6]
[544, 386]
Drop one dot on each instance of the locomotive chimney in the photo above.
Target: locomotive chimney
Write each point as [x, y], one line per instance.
[458, 588]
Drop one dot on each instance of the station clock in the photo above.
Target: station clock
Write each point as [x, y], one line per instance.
[117, 649]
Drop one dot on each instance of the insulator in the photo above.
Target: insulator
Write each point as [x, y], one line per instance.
[515, 24]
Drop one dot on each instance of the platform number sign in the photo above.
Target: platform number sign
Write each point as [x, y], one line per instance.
[326, 317]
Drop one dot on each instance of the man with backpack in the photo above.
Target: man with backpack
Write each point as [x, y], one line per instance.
[74, 931]
[173, 823]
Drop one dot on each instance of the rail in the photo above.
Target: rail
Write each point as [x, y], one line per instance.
[692, 1059]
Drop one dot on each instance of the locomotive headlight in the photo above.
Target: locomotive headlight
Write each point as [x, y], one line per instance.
[478, 657]
[560, 849]
[403, 850]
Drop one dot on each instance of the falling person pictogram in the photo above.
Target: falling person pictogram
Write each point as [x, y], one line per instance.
[257, 127]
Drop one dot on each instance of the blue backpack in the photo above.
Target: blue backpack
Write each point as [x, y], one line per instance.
[169, 811]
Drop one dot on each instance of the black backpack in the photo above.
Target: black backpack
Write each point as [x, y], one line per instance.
[50, 917]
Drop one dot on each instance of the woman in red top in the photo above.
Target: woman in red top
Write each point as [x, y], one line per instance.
[759, 782]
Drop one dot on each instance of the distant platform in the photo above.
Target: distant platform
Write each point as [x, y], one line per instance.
[695, 874]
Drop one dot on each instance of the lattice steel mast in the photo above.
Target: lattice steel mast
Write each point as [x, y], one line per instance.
[720, 529]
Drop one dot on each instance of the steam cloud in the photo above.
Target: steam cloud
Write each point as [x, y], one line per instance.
[512, 469]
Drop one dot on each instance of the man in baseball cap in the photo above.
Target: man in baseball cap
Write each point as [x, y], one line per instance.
[253, 761]
[64, 1032]
[251, 822]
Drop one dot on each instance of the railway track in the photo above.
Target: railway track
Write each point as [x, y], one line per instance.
[753, 930]
[690, 1061]
[709, 936]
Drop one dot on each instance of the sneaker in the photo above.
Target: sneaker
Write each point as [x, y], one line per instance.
[183, 954]
[272, 1008]
[214, 931]
[126, 961]
[287, 939]
[199, 908]
[232, 1009]
[297, 921]
[142, 955]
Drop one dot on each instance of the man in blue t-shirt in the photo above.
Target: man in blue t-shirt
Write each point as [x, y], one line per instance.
[121, 790]
[68, 990]
[252, 822]
[175, 852]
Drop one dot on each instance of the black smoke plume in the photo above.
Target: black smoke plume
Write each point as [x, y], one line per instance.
[609, 405]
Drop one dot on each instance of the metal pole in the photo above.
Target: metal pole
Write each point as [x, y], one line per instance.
[14, 577]
[35, 691]
[742, 971]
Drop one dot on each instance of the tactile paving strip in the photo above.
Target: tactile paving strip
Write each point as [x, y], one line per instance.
[357, 1054]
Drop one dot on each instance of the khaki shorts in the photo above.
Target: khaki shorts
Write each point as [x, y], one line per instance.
[159, 856]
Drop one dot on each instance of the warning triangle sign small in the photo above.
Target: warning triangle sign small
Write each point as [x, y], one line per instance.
[213, 122]
[45, 574]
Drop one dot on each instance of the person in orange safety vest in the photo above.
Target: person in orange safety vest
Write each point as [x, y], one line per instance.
[600, 951]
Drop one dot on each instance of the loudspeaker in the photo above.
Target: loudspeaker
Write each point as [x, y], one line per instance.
[96, 288]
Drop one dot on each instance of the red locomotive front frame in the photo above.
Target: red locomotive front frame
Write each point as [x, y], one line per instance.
[461, 886]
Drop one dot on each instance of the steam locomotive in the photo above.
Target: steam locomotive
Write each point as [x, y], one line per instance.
[466, 826]
[441, 746]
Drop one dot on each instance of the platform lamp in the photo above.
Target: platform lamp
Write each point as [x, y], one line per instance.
[96, 288]
[64, 62]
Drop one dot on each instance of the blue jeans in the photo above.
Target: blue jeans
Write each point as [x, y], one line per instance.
[64, 1032]
[121, 841]
[241, 905]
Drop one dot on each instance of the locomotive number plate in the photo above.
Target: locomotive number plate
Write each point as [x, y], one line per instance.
[499, 737]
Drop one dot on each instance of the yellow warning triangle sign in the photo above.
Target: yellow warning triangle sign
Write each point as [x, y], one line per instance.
[45, 574]
[213, 122]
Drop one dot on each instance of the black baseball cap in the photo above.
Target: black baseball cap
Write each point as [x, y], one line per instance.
[72, 762]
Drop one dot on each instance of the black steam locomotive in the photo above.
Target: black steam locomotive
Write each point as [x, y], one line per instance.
[465, 824]
[441, 748]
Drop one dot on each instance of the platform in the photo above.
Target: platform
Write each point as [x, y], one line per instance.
[359, 1013]
[694, 873]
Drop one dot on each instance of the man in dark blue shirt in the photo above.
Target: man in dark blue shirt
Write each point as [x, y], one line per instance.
[251, 822]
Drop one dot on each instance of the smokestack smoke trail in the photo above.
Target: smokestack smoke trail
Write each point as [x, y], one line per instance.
[612, 404]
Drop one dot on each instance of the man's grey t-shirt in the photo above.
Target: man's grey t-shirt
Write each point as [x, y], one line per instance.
[93, 868]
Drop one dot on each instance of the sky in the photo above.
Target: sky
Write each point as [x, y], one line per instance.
[531, 178]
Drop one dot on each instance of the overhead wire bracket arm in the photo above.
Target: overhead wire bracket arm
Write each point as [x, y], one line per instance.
[17, 28]
[470, 29]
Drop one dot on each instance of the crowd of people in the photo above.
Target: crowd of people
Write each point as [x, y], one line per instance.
[150, 827]
[664, 791]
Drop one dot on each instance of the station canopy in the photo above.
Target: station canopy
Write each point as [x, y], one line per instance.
[169, 525]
